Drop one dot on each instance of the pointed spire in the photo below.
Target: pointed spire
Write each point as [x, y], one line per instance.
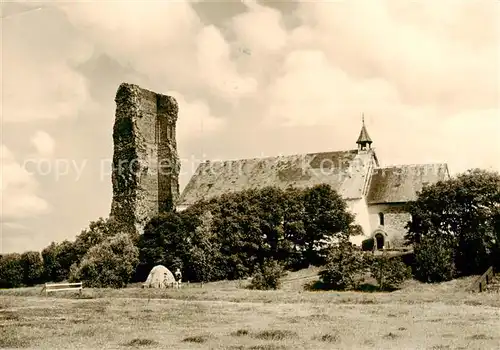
[363, 139]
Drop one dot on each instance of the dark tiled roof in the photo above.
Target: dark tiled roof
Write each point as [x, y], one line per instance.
[363, 136]
[398, 184]
[338, 169]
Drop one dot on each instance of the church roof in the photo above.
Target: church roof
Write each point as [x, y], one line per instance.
[399, 184]
[363, 136]
[338, 169]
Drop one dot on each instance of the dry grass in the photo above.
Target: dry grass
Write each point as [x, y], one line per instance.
[226, 316]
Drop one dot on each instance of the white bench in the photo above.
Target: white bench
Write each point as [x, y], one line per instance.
[60, 287]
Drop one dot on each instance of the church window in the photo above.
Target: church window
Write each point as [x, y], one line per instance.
[381, 219]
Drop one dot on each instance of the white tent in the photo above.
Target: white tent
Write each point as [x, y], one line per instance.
[159, 277]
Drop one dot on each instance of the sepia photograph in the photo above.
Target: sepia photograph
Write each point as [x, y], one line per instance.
[250, 174]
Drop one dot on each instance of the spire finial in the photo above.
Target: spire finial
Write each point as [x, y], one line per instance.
[363, 118]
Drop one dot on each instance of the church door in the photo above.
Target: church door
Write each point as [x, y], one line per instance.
[379, 238]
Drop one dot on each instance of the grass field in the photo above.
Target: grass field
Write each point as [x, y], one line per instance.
[226, 316]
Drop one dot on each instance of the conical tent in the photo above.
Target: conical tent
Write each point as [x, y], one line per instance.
[159, 277]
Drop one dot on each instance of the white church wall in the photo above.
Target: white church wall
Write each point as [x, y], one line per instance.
[362, 217]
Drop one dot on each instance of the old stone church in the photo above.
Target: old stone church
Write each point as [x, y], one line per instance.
[376, 195]
[144, 141]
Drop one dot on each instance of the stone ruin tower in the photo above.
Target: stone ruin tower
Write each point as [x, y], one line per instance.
[146, 165]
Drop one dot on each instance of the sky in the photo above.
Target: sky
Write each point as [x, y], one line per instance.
[252, 79]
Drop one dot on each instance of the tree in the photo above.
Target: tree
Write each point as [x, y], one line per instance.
[238, 229]
[57, 260]
[496, 228]
[326, 220]
[165, 241]
[293, 229]
[11, 271]
[96, 233]
[461, 213]
[269, 214]
[203, 260]
[108, 264]
[33, 270]
[434, 261]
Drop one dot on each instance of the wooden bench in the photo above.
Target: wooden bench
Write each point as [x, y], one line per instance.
[61, 287]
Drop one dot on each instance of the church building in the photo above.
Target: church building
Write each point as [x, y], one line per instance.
[377, 195]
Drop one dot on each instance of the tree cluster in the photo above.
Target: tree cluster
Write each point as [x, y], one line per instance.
[455, 226]
[234, 235]
[455, 231]
[17, 270]
[78, 259]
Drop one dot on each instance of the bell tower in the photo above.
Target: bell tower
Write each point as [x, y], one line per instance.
[364, 141]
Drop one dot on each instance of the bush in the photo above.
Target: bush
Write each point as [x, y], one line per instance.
[434, 261]
[108, 264]
[269, 276]
[389, 272]
[368, 244]
[11, 271]
[345, 268]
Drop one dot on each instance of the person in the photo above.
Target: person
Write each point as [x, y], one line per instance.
[178, 277]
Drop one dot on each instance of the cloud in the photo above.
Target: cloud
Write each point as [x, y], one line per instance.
[269, 36]
[326, 94]
[427, 64]
[181, 52]
[216, 68]
[19, 188]
[194, 119]
[43, 143]
[38, 81]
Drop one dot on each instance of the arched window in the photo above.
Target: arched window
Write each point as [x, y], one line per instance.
[381, 219]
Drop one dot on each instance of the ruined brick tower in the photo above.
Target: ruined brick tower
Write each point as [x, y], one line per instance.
[145, 161]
